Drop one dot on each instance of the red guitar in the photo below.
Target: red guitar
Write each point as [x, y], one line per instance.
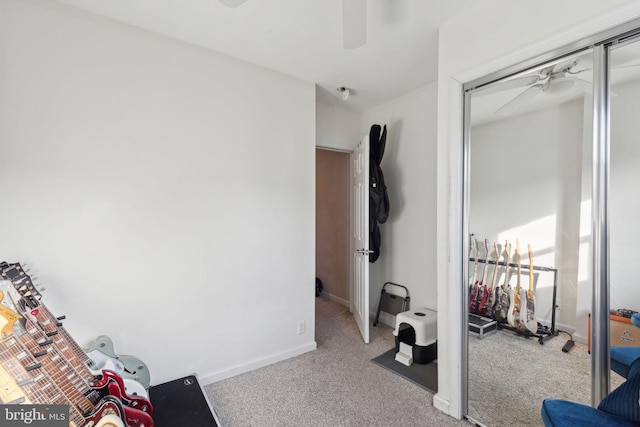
[474, 306]
[473, 285]
[487, 303]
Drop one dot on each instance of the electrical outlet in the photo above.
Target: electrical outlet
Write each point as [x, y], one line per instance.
[301, 327]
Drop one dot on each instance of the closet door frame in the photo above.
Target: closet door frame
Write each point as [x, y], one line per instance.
[601, 44]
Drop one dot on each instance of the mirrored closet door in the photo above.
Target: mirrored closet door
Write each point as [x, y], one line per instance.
[532, 272]
[624, 200]
[529, 181]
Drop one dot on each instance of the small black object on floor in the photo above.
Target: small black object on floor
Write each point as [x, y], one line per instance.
[568, 346]
[181, 403]
[425, 376]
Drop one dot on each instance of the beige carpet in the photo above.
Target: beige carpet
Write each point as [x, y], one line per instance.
[338, 385]
[510, 376]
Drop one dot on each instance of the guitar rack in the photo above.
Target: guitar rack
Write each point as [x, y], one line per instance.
[543, 335]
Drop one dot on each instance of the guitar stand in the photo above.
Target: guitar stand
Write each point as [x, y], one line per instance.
[543, 333]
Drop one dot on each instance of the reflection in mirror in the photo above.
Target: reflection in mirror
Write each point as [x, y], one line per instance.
[624, 203]
[529, 191]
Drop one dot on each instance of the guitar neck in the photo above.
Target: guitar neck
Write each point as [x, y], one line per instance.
[10, 392]
[63, 341]
[35, 383]
[507, 260]
[518, 259]
[530, 273]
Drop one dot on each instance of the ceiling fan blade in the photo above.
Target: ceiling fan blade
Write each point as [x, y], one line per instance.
[583, 85]
[515, 83]
[232, 3]
[354, 23]
[524, 98]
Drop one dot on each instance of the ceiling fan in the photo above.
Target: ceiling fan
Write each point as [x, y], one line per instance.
[553, 80]
[354, 21]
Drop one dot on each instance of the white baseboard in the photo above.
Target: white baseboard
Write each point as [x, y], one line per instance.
[337, 299]
[256, 364]
[582, 339]
[441, 404]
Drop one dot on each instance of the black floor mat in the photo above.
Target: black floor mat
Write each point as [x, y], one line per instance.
[181, 403]
[426, 376]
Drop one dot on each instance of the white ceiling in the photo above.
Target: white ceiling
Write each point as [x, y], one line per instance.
[303, 38]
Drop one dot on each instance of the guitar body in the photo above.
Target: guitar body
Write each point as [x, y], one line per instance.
[486, 309]
[484, 301]
[110, 407]
[481, 293]
[513, 315]
[111, 384]
[134, 368]
[102, 362]
[501, 307]
[473, 293]
[475, 303]
[528, 307]
[527, 312]
[110, 420]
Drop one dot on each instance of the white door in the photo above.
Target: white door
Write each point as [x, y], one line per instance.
[360, 236]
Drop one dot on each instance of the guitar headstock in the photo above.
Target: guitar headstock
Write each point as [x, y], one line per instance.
[478, 246]
[496, 250]
[473, 247]
[507, 251]
[517, 249]
[22, 282]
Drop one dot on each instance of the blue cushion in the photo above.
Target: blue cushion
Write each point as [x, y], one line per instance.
[563, 413]
[623, 401]
[622, 359]
[635, 319]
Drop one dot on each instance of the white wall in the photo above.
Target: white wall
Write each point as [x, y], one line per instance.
[525, 184]
[408, 252]
[163, 194]
[494, 35]
[337, 128]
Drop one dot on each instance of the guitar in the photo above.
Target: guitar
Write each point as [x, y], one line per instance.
[12, 394]
[486, 305]
[473, 285]
[474, 305]
[31, 383]
[83, 394]
[102, 350]
[133, 392]
[513, 316]
[501, 308]
[528, 303]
